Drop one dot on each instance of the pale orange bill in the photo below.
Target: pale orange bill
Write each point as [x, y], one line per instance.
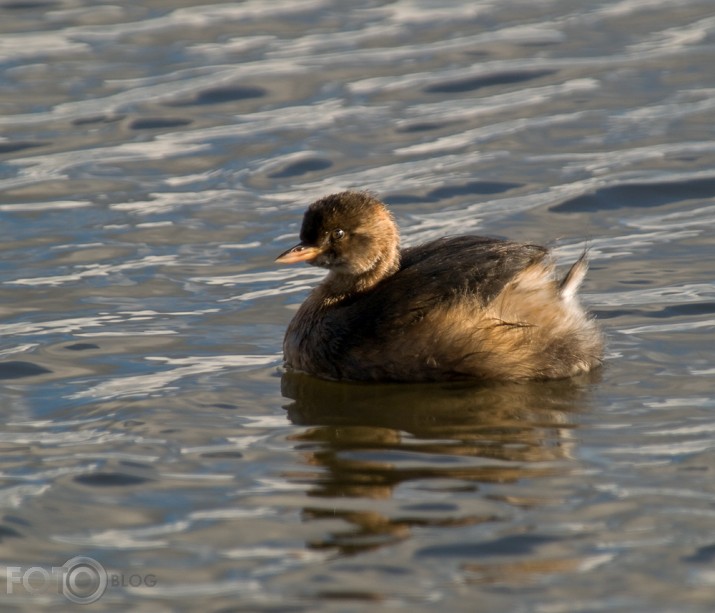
[299, 253]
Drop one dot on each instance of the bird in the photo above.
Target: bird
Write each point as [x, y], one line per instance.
[455, 308]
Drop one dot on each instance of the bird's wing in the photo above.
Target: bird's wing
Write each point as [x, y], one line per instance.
[468, 267]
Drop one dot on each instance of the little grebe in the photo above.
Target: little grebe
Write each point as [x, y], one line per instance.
[463, 307]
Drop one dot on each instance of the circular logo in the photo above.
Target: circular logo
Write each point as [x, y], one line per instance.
[84, 580]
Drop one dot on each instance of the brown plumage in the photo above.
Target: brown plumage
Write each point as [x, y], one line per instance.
[464, 307]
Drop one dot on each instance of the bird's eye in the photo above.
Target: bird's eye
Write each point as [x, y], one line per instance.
[338, 234]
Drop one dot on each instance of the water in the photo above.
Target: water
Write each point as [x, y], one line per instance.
[157, 156]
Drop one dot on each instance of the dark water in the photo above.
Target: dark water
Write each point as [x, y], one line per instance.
[156, 156]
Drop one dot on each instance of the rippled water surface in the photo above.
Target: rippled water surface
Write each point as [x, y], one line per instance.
[156, 156]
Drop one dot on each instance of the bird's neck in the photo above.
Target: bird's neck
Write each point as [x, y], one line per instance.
[340, 285]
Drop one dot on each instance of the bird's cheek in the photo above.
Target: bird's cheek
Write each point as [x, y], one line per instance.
[324, 260]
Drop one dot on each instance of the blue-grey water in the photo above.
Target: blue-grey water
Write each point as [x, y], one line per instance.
[156, 156]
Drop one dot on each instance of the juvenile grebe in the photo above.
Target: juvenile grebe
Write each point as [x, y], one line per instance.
[463, 307]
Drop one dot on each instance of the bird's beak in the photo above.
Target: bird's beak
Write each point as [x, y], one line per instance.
[299, 253]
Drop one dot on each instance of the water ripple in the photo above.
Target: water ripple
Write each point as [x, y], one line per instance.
[144, 384]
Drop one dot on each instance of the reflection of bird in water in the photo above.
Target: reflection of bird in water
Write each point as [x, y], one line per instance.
[453, 439]
[465, 307]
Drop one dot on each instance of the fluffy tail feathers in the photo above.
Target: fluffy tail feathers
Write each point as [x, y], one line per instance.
[568, 287]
